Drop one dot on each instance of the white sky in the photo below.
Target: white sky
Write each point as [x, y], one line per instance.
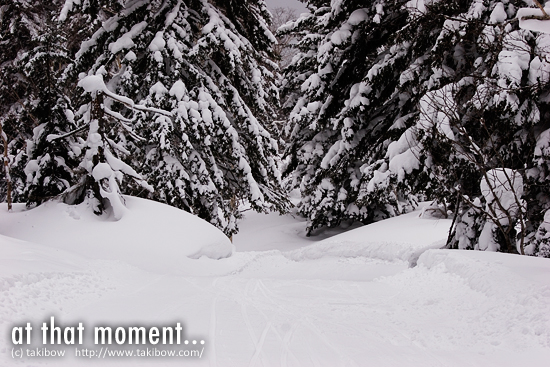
[287, 3]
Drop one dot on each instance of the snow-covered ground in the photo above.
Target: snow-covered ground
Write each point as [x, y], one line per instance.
[378, 295]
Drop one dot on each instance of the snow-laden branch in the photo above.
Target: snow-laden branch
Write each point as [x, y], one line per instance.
[123, 120]
[95, 83]
[53, 137]
[535, 19]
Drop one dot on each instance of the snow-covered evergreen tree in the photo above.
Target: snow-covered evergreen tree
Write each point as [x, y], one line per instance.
[207, 64]
[48, 170]
[349, 101]
[391, 100]
[16, 32]
[479, 125]
[537, 19]
[35, 108]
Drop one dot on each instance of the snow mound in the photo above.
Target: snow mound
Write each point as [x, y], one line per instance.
[153, 236]
[492, 304]
[516, 285]
[486, 272]
[401, 238]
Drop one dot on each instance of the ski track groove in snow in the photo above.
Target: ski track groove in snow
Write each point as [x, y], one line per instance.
[258, 343]
[311, 326]
[247, 322]
[260, 286]
[259, 347]
[212, 342]
[285, 340]
[286, 346]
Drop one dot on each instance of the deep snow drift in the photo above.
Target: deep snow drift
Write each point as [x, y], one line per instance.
[152, 236]
[379, 295]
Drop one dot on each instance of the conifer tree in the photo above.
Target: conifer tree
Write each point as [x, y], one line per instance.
[346, 108]
[200, 73]
[391, 101]
[35, 107]
[48, 170]
[479, 127]
[16, 32]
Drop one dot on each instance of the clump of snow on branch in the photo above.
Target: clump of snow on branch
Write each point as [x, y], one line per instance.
[534, 19]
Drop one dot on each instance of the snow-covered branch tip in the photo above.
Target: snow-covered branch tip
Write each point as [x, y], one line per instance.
[53, 137]
[95, 83]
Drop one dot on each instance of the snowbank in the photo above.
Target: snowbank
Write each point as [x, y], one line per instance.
[152, 236]
[514, 291]
[490, 308]
[492, 273]
[401, 238]
[21, 257]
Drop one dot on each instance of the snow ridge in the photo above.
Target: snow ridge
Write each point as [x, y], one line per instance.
[389, 251]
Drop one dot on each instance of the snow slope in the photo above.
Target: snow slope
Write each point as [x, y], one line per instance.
[343, 301]
[401, 238]
[152, 236]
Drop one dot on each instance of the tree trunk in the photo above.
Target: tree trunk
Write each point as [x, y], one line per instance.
[6, 167]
